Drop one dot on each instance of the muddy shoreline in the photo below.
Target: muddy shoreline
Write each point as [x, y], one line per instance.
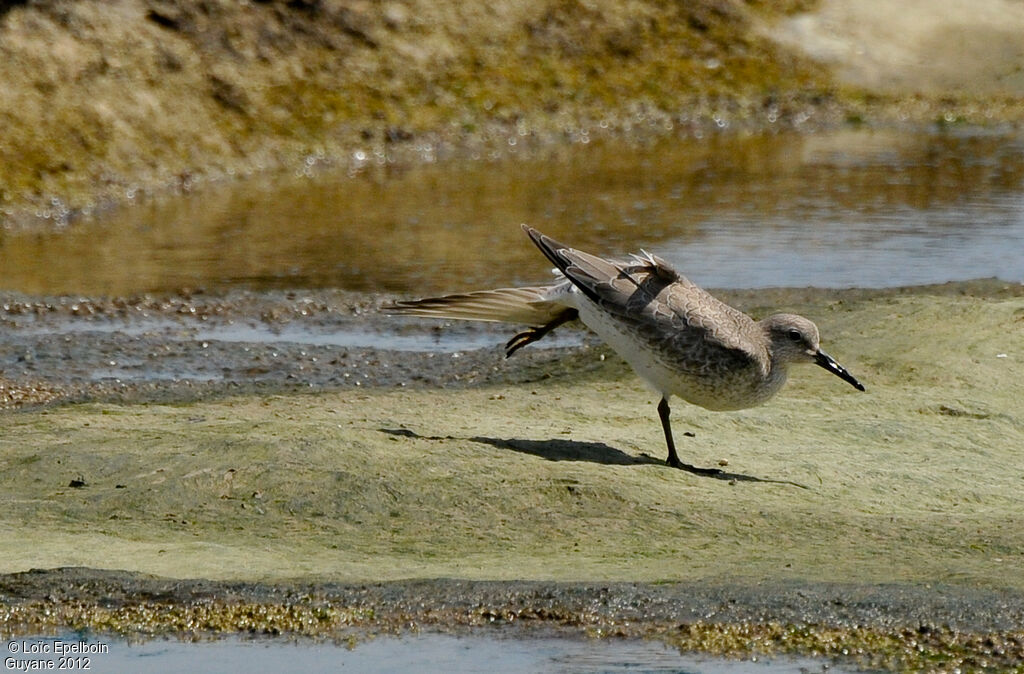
[933, 628]
[433, 602]
[195, 345]
[570, 524]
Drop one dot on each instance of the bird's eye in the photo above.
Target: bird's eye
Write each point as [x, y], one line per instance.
[795, 336]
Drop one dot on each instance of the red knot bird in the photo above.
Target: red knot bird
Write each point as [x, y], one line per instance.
[682, 341]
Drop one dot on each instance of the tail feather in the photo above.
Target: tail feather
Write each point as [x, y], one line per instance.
[527, 306]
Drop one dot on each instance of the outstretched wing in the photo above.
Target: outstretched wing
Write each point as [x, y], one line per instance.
[660, 305]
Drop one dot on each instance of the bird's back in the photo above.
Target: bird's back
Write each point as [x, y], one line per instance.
[676, 335]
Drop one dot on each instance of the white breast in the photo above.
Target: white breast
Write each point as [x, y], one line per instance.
[725, 391]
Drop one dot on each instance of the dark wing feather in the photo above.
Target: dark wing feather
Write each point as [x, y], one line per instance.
[649, 295]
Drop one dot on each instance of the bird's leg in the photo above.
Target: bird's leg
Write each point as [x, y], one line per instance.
[533, 334]
[673, 458]
[663, 412]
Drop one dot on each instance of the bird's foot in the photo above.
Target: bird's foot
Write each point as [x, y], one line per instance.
[676, 463]
[522, 339]
[531, 335]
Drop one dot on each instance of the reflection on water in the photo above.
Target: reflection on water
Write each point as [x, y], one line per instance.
[847, 208]
[424, 653]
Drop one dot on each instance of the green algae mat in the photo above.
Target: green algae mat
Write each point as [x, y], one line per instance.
[918, 480]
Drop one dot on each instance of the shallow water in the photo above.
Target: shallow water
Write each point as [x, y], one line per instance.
[424, 653]
[341, 334]
[848, 208]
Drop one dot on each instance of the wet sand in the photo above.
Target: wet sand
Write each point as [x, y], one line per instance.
[539, 476]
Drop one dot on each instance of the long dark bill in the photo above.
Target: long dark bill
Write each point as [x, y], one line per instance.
[829, 363]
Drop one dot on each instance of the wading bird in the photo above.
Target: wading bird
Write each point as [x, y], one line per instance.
[682, 341]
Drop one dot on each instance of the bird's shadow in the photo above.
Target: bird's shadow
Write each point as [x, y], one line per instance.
[574, 450]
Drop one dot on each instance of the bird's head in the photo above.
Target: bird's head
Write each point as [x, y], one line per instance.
[794, 339]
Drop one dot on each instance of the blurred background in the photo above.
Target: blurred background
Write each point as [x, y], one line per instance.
[168, 145]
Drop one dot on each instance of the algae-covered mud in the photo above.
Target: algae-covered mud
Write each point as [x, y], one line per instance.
[559, 476]
[550, 471]
[942, 629]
